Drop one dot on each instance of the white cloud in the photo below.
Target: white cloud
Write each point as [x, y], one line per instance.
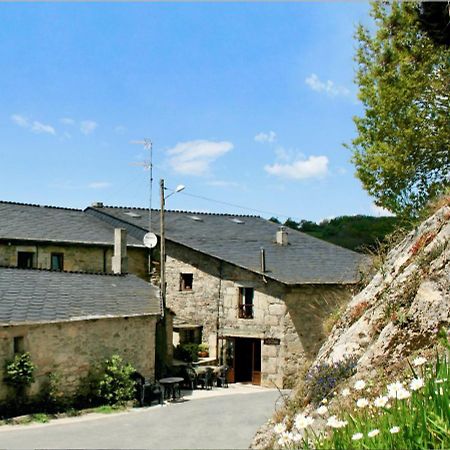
[39, 127]
[266, 137]
[99, 185]
[379, 211]
[67, 121]
[19, 120]
[35, 126]
[301, 169]
[328, 87]
[195, 157]
[222, 183]
[88, 126]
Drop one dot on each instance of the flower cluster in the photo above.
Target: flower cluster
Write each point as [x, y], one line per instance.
[389, 419]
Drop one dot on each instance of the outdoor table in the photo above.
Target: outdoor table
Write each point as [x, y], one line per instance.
[169, 384]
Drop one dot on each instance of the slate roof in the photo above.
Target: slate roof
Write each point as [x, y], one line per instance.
[52, 224]
[30, 296]
[238, 239]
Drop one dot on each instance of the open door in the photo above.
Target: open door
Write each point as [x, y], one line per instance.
[243, 357]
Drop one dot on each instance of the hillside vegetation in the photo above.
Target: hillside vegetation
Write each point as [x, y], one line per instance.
[359, 233]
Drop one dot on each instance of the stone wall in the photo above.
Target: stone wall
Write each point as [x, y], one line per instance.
[199, 305]
[77, 258]
[308, 307]
[68, 349]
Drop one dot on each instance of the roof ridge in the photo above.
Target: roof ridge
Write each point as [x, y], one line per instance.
[176, 211]
[6, 202]
[80, 272]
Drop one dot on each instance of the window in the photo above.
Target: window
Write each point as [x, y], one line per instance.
[57, 261]
[25, 260]
[186, 280]
[246, 303]
[19, 346]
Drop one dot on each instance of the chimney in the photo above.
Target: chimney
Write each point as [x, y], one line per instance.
[263, 260]
[120, 259]
[97, 205]
[282, 236]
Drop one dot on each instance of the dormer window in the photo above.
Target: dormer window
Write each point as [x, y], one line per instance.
[25, 260]
[186, 281]
[57, 261]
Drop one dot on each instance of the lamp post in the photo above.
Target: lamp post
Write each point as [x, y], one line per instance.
[164, 197]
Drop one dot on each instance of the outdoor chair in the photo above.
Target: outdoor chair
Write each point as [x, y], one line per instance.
[151, 392]
[205, 379]
[190, 378]
[221, 379]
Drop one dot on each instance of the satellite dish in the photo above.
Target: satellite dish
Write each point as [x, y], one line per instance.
[150, 240]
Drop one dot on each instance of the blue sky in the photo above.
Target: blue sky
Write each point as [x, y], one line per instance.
[246, 104]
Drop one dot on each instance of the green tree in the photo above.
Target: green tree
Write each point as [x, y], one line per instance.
[401, 151]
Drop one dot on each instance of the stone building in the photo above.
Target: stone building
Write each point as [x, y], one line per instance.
[59, 299]
[258, 293]
[70, 321]
[46, 237]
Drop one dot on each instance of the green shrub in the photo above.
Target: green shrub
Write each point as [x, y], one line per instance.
[187, 352]
[19, 372]
[115, 385]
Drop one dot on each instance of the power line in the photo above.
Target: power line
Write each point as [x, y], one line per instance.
[261, 211]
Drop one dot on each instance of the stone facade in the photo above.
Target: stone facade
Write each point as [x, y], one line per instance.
[69, 349]
[77, 257]
[287, 321]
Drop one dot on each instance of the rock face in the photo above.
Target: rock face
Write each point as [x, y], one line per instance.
[399, 312]
[406, 302]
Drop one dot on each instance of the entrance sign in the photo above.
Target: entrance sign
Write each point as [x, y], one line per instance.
[272, 341]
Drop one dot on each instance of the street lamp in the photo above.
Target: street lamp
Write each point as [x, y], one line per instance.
[179, 188]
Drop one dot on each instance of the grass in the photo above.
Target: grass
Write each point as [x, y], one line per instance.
[108, 409]
[412, 413]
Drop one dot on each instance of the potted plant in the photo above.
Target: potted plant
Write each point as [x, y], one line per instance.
[203, 350]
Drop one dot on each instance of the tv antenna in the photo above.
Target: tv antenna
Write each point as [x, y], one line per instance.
[150, 239]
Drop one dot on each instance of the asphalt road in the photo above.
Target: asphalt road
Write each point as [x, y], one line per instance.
[221, 422]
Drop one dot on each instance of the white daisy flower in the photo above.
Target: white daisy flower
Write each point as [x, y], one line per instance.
[334, 422]
[357, 436]
[360, 385]
[285, 439]
[416, 384]
[362, 403]
[394, 430]
[403, 394]
[419, 361]
[381, 401]
[373, 433]
[301, 421]
[322, 410]
[394, 388]
[345, 392]
[279, 428]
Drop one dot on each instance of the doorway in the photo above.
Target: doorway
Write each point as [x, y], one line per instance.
[244, 360]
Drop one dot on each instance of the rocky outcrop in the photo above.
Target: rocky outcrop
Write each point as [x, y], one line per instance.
[404, 305]
[398, 313]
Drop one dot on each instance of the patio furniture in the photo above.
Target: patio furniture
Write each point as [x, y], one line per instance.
[190, 378]
[171, 386]
[222, 379]
[205, 378]
[151, 392]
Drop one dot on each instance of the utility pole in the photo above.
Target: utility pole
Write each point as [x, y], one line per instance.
[162, 251]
